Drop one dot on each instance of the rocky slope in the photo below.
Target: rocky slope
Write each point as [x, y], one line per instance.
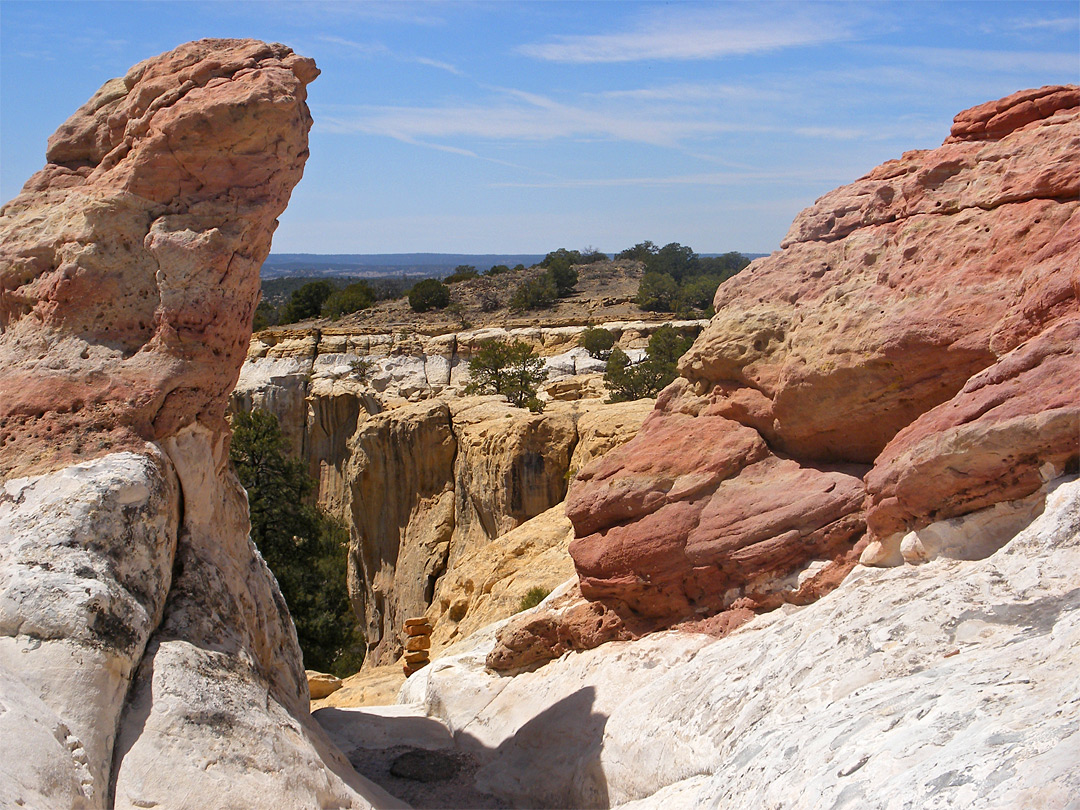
[948, 684]
[909, 399]
[909, 356]
[146, 656]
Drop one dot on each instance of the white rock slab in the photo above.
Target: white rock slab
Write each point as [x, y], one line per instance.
[943, 685]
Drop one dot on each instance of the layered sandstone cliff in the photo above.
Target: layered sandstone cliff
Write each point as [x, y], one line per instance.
[910, 355]
[146, 656]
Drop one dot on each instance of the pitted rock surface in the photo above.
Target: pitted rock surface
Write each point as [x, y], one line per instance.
[129, 264]
[147, 658]
[918, 329]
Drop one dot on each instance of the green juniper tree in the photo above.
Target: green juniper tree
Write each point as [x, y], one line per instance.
[303, 547]
[510, 369]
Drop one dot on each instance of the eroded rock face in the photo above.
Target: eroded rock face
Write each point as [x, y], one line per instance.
[432, 488]
[915, 339]
[129, 264]
[147, 656]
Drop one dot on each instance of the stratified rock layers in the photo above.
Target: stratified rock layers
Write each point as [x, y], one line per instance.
[431, 486]
[147, 657]
[911, 349]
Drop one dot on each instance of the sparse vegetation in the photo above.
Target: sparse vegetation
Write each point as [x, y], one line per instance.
[428, 294]
[361, 367]
[306, 302]
[352, 299]
[463, 272]
[533, 597]
[303, 547]
[678, 280]
[510, 369]
[627, 381]
[534, 293]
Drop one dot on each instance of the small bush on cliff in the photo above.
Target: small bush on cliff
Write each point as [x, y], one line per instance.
[534, 294]
[533, 597]
[304, 548]
[627, 381]
[463, 272]
[428, 294]
[597, 342]
[510, 369]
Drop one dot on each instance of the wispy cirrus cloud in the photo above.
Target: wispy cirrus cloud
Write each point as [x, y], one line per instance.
[695, 35]
[371, 50]
[987, 60]
[700, 179]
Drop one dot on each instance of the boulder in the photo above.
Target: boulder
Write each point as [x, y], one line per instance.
[321, 684]
[937, 685]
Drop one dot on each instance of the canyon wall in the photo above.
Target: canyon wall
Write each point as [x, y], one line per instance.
[908, 356]
[146, 655]
[428, 478]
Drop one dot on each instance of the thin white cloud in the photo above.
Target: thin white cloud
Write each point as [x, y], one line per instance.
[435, 63]
[703, 179]
[694, 92]
[1060, 25]
[987, 60]
[370, 50]
[365, 49]
[679, 35]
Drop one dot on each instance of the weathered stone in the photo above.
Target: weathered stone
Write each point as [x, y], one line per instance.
[923, 318]
[129, 587]
[321, 684]
[422, 642]
[876, 693]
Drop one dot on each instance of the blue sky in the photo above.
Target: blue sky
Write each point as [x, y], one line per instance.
[489, 127]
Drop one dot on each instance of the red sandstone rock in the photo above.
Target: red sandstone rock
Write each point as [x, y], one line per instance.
[1014, 426]
[927, 313]
[129, 264]
[995, 119]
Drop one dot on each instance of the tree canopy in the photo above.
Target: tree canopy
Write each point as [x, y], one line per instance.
[676, 279]
[428, 294]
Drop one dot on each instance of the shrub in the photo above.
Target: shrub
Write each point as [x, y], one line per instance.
[353, 298]
[657, 292]
[597, 342]
[304, 548]
[428, 294]
[534, 294]
[678, 280]
[510, 369]
[463, 272]
[533, 597]
[361, 367]
[499, 269]
[266, 314]
[656, 371]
